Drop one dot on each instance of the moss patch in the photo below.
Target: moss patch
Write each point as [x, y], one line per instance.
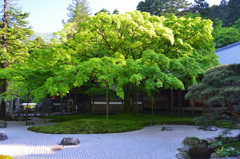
[96, 124]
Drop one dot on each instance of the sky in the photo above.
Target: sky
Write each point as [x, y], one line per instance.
[46, 15]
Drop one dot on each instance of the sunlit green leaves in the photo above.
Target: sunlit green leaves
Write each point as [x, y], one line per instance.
[125, 50]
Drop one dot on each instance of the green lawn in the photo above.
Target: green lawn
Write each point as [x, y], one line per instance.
[94, 124]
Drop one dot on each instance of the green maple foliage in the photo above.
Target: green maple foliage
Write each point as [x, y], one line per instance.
[124, 51]
[185, 45]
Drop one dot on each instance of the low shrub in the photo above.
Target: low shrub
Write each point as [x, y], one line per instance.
[82, 126]
[204, 121]
[226, 152]
[191, 141]
[236, 145]
[96, 124]
[216, 119]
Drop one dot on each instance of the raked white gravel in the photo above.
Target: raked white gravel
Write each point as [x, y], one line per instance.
[148, 143]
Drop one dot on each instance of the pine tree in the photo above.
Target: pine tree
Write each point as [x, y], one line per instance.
[164, 7]
[14, 33]
[233, 12]
[116, 11]
[37, 43]
[79, 10]
[222, 86]
[219, 11]
[202, 7]
[178, 7]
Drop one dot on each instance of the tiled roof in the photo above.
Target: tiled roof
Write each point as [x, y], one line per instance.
[229, 54]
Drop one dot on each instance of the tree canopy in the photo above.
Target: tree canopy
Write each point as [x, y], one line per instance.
[221, 84]
[155, 51]
[17, 33]
[202, 7]
[14, 33]
[125, 51]
[233, 12]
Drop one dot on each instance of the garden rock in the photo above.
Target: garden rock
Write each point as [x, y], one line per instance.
[211, 140]
[180, 156]
[3, 124]
[166, 128]
[184, 149]
[3, 137]
[69, 141]
[211, 128]
[31, 123]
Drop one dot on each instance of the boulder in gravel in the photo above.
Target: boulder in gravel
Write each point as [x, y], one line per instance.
[181, 156]
[184, 149]
[3, 137]
[69, 141]
[211, 128]
[166, 128]
[31, 123]
[211, 140]
[3, 124]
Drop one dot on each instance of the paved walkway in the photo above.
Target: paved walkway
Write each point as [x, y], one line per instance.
[148, 143]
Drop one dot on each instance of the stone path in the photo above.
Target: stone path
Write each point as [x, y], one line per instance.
[148, 143]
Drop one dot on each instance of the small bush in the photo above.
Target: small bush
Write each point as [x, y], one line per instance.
[237, 126]
[87, 127]
[236, 145]
[191, 141]
[204, 121]
[216, 119]
[226, 152]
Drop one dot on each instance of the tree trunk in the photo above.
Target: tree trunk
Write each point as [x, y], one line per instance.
[75, 103]
[3, 88]
[10, 108]
[45, 110]
[18, 103]
[107, 100]
[137, 103]
[128, 98]
[11, 104]
[172, 103]
[69, 97]
[10, 112]
[179, 101]
[231, 109]
[27, 108]
[61, 109]
[152, 109]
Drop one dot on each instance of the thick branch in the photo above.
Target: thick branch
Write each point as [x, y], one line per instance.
[231, 109]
